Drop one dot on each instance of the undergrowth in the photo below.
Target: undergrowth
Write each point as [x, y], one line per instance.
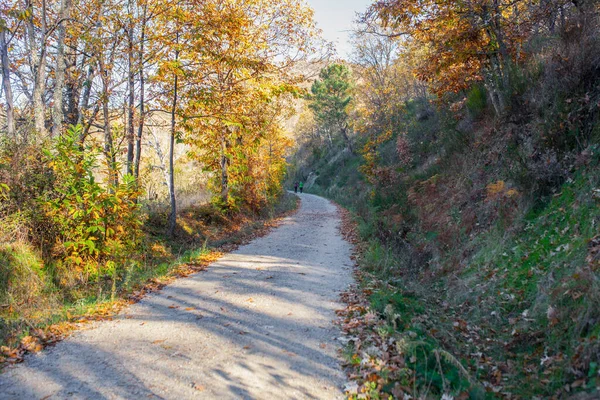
[520, 319]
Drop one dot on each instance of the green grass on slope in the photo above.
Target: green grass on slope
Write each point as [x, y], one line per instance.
[523, 317]
[543, 293]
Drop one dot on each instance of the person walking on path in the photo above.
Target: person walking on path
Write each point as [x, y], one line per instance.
[296, 187]
[301, 187]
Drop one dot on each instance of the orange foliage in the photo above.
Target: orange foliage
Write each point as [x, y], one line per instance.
[465, 41]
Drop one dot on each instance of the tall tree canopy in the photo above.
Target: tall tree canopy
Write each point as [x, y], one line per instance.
[223, 70]
[330, 98]
[466, 41]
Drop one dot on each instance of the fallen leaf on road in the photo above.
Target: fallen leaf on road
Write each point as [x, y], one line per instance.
[173, 306]
[189, 308]
[31, 344]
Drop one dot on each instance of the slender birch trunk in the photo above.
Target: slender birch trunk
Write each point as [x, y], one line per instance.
[173, 200]
[8, 95]
[131, 96]
[57, 110]
[138, 144]
[38, 58]
[224, 172]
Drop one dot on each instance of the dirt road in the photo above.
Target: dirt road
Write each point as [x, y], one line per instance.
[257, 324]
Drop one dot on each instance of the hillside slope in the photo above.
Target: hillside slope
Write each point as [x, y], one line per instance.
[479, 241]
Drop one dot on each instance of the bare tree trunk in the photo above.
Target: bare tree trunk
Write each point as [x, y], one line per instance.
[347, 139]
[495, 85]
[87, 91]
[8, 95]
[138, 144]
[173, 200]
[38, 58]
[224, 172]
[108, 144]
[493, 98]
[131, 100]
[72, 90]
[505, 58]
[57, 110]
[497, 79]
[329, 138]
[109, 150]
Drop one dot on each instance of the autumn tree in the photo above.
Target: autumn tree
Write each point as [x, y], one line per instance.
[385, 82]
[463, 42]
[220, 71]
[242, 61]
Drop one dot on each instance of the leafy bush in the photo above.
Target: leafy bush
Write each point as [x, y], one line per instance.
[97, 226]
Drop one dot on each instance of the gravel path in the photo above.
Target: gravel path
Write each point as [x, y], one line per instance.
[257, 324]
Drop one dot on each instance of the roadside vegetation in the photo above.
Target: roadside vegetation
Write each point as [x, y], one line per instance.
[470, 164]
[42, 302]
[136, 139]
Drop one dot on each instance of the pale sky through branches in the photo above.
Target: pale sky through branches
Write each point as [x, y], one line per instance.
[335, 18]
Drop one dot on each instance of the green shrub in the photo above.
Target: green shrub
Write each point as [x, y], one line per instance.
[98, 226]
[477, 100]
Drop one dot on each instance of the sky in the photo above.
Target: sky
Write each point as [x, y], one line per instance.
[335, 18]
